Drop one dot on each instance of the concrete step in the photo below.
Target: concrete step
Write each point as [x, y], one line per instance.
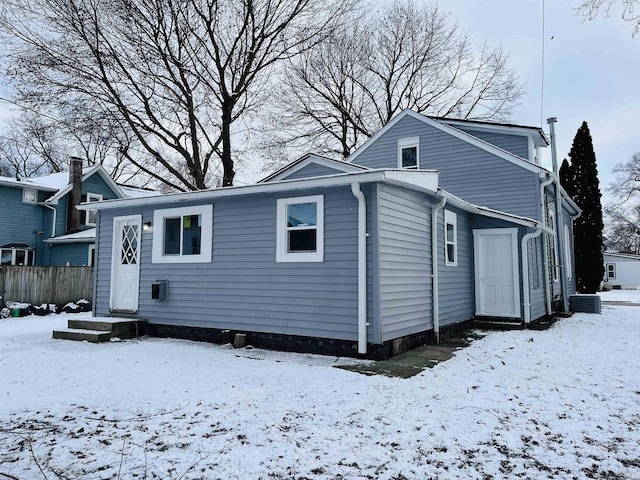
[79, 335]
[122, 328]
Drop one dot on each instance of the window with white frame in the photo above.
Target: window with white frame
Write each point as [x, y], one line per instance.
[17, 255]
[451, 238]
[300, 229]
[611, 271]
[29, 196]
[567, 253]
[409, 153]
[555, 262]
[92, 214]
[183, 235]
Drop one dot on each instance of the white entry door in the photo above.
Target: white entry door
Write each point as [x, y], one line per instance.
[496, 272]
[125, 272]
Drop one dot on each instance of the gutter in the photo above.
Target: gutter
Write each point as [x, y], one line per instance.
[434, 268]
[362, 268]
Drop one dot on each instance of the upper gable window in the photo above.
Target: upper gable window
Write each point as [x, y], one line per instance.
[29, 196]
[91, 214]
[409, 153]
[183, 235]
[451, 238]
[300, 229]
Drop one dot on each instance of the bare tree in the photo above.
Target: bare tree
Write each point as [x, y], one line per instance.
[629, 10]
[627, 182]
[338, 94]
[622, 231]
[167, 78]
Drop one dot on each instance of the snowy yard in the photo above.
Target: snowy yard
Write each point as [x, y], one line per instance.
[561, 403]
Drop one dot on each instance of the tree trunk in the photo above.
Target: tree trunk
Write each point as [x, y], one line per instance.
[227, 162]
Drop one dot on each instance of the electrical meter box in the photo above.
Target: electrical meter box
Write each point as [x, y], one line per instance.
[159, 290]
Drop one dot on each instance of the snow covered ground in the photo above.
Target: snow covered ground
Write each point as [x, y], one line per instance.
[620, 296]
[560, 403]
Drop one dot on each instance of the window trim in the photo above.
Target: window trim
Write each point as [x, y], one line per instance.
[206, 234]
[282, 255]
[26, 191]
[409, 142]
[92, 197]
[555, 254]
[14, 255]
[451, 218]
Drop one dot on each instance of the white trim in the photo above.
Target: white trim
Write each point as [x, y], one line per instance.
[92, 198]
[488, 147]
[410, 142]
[450, 218]
[307, 160]
[97, 169]
[282, 253]
[519, 130]
[115, 255]
[14, 255]
[206, 234]
[26, 191]
[480, 311]
[555, 267]
[92, 248]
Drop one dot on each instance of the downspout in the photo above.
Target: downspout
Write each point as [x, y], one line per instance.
[434, 268]
[525, 274]
[545, 247]
[362, 268]
[563, 278]
[55, 212]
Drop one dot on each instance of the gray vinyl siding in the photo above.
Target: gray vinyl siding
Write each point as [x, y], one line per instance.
[455, 283]
[405, 262]
[76, 254]
[20, 221]
[465, 170]
[311, 170]
[516, 144]
[243, 288]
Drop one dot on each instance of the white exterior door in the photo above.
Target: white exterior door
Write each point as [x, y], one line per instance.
[496, 272]
[125, 272]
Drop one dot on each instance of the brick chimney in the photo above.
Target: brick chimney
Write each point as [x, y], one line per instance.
[75, 196]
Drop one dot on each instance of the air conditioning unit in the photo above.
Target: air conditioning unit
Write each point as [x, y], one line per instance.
[585, 303]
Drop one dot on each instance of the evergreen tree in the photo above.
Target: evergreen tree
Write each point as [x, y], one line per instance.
[584, 187]
[566, 177]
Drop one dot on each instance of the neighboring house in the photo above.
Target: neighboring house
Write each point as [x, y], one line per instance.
[39, 222]
[424, 227]
[621, 270]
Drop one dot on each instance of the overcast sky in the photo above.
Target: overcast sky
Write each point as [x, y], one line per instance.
[592, 70]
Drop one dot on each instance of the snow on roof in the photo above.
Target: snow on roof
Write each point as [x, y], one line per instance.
[51, 182]
[137, 192]
[88, 235]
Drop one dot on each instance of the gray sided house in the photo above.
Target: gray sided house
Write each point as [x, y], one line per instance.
[368, 256]
[39, 222]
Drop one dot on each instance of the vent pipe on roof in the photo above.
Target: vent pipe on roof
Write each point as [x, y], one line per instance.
[75, 196]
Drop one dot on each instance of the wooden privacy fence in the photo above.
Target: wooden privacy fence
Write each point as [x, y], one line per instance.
[38, 285]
